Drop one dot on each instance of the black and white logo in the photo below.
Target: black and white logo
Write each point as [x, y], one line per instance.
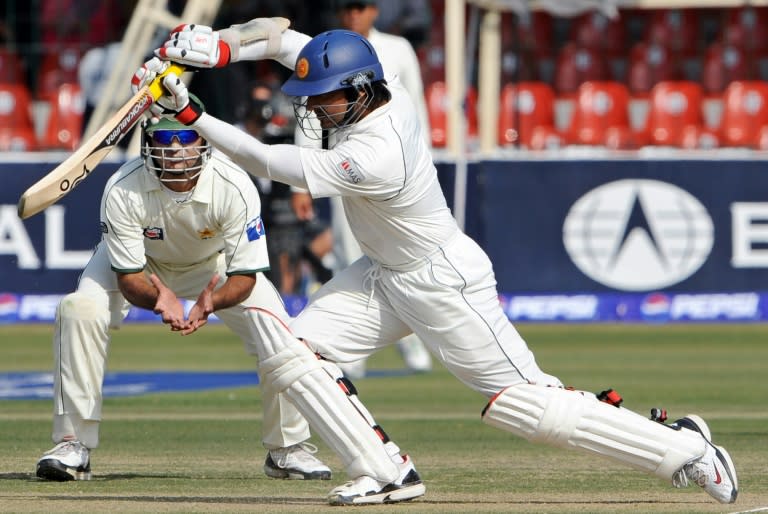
[638, 235]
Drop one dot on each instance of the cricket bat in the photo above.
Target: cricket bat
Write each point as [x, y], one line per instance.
[76, 168]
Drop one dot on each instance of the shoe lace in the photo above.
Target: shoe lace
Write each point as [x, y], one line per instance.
[307, 447]
[690, 473]
[680, 479]
[65, 447]
[280, 455]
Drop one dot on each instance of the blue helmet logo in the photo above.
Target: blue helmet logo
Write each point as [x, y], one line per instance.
[333, 60]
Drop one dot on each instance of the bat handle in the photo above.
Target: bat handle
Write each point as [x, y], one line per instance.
[156, 86]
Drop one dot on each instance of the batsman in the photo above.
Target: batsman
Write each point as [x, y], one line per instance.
[419, 272]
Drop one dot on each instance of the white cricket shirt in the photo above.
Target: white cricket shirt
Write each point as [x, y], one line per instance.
[140, 221]
[384, 172]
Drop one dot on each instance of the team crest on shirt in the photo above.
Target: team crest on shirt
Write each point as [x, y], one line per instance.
[254, 229]
[206, 233]
[153, 233]
[350, 171]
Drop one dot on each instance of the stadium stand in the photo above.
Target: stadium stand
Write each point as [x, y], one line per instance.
[675, 116]
[577, 64]
[437, 104]
[64, 126]
[524, 108]
[11, 67]
[15, 106]
[641, 48]
[723, 63]
[745, 114]
[601, 116]
[59, 66]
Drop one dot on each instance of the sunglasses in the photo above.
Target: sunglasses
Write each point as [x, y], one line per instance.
[165, 137]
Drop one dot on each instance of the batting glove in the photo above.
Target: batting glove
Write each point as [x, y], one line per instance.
[145, 75]
[177, 100]
[198, 46]
[202, 47]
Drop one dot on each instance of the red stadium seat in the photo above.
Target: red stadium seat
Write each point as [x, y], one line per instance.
[576, 65]
[65, 122]
[436, 96]
[519, 65]
[745, 113]
[601, 110]
[431, 55]
[535, 31]
[523, 107]
[18, 139]
[724, 63]
[677, 29]
[675, 116]
[57, 67]
[15, 106]
[649, 64]
[747, 27]
[595, 30]
[11, 68]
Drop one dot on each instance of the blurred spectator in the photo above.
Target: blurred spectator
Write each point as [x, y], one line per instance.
[411, 19]
[93, 74]
[292, 242]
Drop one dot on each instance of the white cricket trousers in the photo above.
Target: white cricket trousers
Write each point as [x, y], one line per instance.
[447, 298]
[81, 344]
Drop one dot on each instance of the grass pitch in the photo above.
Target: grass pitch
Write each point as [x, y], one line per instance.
[200, 452]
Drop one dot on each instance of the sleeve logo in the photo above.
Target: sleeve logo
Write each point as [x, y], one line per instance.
[349, 171]
[254, 229]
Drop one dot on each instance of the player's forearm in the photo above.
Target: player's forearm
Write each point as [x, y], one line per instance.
[137, 290]
[235, 291]
[274, 162]
[291, 44]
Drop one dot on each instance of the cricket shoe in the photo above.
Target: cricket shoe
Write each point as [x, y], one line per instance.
[296, 462]
[366, 490]
[714, 471]
[68, 460]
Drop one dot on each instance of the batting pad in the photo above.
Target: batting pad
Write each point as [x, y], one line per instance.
[577, 419]
[296, 372]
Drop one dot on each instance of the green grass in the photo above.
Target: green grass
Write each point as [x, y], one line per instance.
[200, 452]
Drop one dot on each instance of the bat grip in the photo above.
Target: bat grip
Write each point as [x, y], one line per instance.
[156, 86]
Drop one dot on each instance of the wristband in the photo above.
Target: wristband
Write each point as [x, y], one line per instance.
[189, 114]
[225, 54]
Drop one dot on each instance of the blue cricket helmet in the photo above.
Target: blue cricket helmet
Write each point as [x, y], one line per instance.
[333, 60]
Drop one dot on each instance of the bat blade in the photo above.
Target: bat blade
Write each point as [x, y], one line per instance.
[76, 168]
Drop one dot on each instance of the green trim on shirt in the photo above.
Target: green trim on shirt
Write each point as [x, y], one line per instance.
[118, 270]
[247, 272]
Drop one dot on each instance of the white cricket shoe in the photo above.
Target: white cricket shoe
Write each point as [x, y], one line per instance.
[365, 490]
[714, 471]
[296, 462]
[415, 354]
[68, 460]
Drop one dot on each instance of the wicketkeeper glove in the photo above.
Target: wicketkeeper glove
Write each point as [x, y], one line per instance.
[200, 46]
